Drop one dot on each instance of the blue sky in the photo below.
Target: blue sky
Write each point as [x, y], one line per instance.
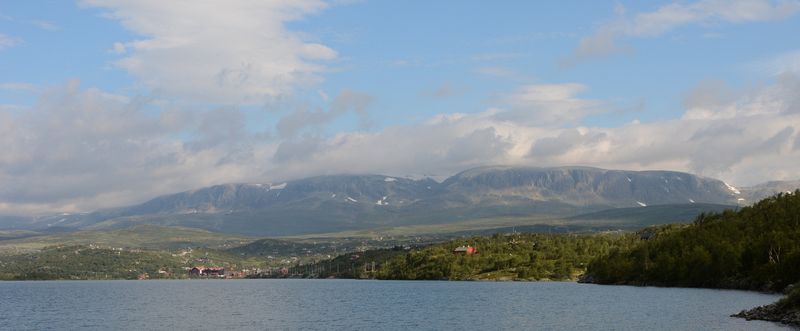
[183, 95]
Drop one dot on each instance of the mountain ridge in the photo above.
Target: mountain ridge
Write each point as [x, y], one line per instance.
[349, 202]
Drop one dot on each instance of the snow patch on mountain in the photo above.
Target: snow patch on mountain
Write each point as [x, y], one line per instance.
[731, 188]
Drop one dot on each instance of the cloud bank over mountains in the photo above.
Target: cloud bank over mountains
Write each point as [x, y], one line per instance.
[82, 148]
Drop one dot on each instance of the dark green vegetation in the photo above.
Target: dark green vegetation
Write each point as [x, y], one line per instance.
[81, 262]
[528, 256]
[93, 261]
[164, 252]
[792, 300]
[757, 247]
[353, 265]
[272, 247]
[98, 262]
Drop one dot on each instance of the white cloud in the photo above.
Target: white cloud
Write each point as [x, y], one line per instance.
[8, 41]
[548, 104]
[672, 16]
[347, 101]
[236, 52]
[757, 128]
[81, 149]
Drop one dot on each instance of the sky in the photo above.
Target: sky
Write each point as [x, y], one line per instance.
[105, 103]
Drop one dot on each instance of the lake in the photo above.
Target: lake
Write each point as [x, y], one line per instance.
[369, 305]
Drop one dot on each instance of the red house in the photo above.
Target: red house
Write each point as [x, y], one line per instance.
[465, 250]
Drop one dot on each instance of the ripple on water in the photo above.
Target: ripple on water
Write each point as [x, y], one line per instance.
[349, 304]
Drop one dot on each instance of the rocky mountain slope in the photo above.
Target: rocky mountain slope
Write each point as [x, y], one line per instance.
[346, 202]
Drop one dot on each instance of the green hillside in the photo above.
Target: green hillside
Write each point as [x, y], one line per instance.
[82, 262]
[757, 247]
[529, 256]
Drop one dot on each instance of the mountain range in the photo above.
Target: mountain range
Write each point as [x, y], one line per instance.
[352, 202]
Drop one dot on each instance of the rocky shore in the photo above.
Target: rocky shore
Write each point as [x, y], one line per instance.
[773, 312]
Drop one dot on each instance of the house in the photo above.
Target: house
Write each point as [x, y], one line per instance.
[214, 272]
[203, 271]
[465, 250]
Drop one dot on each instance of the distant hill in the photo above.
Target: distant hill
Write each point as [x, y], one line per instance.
[138, 236]
[356, 202]
[273, 247]
[652, 215]
[758, 192]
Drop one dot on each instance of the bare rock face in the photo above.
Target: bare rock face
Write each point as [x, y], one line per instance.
[582, 186]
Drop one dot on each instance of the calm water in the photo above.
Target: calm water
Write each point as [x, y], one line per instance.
[349, 304]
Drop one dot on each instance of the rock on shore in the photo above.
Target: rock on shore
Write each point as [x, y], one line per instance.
[772, 313]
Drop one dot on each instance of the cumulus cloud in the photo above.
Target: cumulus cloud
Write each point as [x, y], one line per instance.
[476, 147]
[345, 102]
[441, 146]
[236, 52]
[736, 136]
[564, 142]
[81, 149]
[666, 18]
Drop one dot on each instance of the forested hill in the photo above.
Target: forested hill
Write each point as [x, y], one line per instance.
[527, 256]
[757, 247]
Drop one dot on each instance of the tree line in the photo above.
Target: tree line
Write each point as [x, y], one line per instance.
[755, 248]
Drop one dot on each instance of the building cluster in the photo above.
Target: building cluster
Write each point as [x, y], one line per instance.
[465, 250]
[203, 271]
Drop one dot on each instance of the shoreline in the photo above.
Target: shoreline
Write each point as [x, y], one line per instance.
[771, 313]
